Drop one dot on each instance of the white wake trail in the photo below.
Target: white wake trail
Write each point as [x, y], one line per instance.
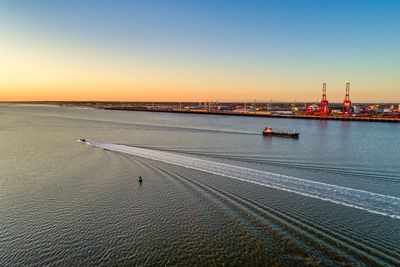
[364, 200]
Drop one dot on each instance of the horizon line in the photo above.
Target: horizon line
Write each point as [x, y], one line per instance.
[149, 101]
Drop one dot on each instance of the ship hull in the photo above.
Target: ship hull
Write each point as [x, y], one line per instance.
[287, 135]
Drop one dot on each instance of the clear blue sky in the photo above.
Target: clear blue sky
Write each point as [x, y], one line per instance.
[198, 50]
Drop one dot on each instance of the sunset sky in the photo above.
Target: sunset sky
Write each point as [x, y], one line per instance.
[215, 50]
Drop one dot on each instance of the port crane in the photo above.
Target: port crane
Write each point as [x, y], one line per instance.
[324, 105]
[346, 106]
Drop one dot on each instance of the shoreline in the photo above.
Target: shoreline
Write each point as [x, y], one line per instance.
[219, 113]
[264, 115]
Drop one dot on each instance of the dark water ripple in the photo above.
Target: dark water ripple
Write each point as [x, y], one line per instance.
[66, 204]
[372, 202]
[321, 239]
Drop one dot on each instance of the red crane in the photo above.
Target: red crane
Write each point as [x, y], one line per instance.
[324, 105]
[346, 107]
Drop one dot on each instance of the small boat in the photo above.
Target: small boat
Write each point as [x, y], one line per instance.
[140, 179]
[82, 140]
[268, 132]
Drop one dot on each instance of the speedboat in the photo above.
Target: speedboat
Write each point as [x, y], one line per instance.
[82, 140]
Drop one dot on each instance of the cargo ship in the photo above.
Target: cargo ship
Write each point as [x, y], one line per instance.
[268, 132]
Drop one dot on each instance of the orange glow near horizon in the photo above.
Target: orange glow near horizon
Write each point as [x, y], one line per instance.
[45, 74]
[169, 90]
[165, 94]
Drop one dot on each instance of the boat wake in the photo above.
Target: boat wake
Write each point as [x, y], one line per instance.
[359, 199]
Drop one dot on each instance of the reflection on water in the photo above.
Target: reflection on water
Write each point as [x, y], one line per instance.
[65, 203]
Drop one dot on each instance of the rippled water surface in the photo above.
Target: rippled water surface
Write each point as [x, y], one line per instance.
[215, 191]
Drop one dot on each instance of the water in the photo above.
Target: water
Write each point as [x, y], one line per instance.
[215, 191]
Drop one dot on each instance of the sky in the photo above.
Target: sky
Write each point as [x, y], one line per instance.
[199, 50]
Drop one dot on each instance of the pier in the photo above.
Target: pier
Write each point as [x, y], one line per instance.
[265, 114]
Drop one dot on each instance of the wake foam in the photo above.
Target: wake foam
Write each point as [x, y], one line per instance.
[364, 200]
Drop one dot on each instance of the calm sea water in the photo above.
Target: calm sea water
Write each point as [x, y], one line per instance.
[67, 203]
